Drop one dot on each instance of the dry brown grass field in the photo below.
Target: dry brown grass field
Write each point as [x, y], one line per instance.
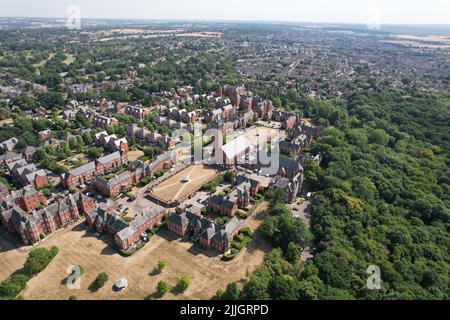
[96, 255]
[134, 155]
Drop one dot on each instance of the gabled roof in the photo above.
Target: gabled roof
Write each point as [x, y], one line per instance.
[82, 169]
[109, 158]
[10, 155]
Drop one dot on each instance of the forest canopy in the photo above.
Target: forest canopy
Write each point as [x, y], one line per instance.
[382, 198]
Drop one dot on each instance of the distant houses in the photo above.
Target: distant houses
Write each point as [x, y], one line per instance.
[179, 115]
[104, 122]
[8, 145]
[138, 112]
[111, 142]
[300, 138]
[28, 198]
[152, 137]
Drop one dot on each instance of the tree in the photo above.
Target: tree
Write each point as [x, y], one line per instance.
[87, 138]
[229, 176]
[4, 113]
[184, 282]
[283, 228]
[379, 136]
[282, 288]
[279, 196]
[256, 288]
[64, 150]
[231, 293]
[12, 286]
[51, 99]
[161, 266]
[95, 152]
[292, 253]
[162, 288]
[38, 259]
[276, 103]
[149, 152]
[100, 280]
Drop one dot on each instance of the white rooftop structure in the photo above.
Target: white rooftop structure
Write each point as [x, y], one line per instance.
[235, 148]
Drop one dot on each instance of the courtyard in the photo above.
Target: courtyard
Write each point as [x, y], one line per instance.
[183, 184]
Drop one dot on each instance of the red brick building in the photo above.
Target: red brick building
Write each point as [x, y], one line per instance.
[36, 225]
[85, 173]
[28, 198]
[209, 234]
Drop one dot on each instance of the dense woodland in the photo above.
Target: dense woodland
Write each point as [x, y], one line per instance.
[382, 199]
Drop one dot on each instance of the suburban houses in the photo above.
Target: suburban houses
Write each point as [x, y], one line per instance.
[117, 175]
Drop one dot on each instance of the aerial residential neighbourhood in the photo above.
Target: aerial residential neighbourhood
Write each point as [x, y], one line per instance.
[202, 160]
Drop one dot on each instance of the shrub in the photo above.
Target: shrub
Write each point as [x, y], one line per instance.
[100, 280]
[12, 286]
[246, 231]
[184, 282]
[72, 297]
[81, 268]
[161, 265]
[162, 287]
[229, 256]
[229, 176]
[38, 259]
[242, 215]
[236, 245]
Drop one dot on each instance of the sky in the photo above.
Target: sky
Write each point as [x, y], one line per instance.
[339, 11]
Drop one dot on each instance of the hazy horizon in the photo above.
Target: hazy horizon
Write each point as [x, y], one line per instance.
[400, 12]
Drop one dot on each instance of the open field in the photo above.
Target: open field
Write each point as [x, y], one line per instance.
[11, 258]
[421, 45]
[70, 58]
[430, 38]
[6, 121]
[134, 155]
[77, 247]
[78, 160]
[173, 189]
[43, 62]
